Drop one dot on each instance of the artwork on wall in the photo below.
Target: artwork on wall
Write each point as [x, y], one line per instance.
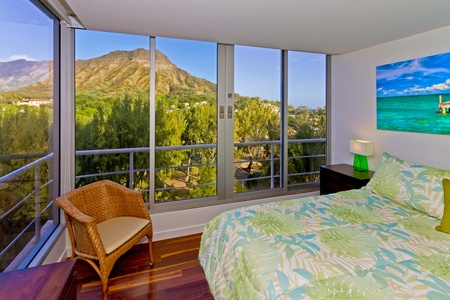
[414, 95]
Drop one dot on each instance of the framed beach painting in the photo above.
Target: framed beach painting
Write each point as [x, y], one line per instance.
[414, 95]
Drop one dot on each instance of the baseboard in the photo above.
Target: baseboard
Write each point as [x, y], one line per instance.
[169, 234]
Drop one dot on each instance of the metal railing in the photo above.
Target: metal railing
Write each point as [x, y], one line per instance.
[272, 159]
[39, 184]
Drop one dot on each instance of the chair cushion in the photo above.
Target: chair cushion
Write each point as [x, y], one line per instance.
[117, 231]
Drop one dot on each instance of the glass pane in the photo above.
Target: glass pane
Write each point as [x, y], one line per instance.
[112, 78]
[186, 134]
[257, 84]
[306, 116]
[26, 130]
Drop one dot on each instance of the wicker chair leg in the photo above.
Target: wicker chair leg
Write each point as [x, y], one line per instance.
[105, 270]
[150, 248]
[105, 288]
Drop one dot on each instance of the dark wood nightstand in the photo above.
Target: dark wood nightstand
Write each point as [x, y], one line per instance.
[50, 282]
[342, 177]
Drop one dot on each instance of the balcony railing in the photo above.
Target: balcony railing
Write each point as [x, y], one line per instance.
[20, 240]
[272, 159]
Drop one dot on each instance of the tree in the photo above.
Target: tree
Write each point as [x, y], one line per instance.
[126, 126]
[256, 120]
[200, 129]
[206, 180]
[170, 124]
[308, 159]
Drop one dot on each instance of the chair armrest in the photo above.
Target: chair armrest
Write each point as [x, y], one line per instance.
[82, 225]
[72, 211]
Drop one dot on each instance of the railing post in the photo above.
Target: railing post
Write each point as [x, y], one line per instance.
[37, 202]
[271, 167]
[131, 175]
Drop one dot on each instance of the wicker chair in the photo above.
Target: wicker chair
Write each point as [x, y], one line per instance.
[105, 219]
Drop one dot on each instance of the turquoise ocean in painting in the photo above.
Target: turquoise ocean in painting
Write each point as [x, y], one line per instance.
[413, 113]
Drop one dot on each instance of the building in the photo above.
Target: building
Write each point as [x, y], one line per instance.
[35, 102]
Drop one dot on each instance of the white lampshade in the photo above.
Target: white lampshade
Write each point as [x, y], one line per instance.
[361, 147]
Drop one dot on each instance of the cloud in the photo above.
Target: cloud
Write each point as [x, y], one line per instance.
[317, 59]
[388, 92]
[397, 70]
[445, 86]
[20, 56]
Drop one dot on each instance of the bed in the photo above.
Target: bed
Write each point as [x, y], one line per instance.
[378, 242]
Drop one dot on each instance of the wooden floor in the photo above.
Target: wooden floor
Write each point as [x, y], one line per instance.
[176, 273]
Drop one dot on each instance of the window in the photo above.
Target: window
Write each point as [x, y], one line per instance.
[306, 116]
[113, 114]
[154, 125]
[257, 84]
[112, 82]
[29, 133]
[185, 119]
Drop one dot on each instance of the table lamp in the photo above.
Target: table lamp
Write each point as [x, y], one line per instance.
[361, 149]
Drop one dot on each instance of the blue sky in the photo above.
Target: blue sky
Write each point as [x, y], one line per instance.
[421, 76]
[25, 32]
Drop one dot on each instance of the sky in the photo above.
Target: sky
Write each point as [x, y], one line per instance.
[421, 76]
[26, 33]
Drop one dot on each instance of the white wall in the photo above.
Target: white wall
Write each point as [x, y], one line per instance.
[353, 106]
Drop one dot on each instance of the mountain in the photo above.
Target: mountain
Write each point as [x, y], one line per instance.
[113, 74]
[20, 73]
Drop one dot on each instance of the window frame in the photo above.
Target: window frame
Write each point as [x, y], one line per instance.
[225, 97]
[36, 252]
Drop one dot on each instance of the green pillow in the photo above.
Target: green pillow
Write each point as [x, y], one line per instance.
[445, 222]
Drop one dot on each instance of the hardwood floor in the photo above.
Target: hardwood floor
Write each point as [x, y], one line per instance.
[175, 274]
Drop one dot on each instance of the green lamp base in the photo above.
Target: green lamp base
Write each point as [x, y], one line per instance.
[360, 163]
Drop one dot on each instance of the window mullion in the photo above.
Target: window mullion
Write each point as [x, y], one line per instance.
[284, 120]
[152, 170]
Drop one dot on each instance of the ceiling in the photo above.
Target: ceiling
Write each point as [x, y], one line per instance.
[324, 26]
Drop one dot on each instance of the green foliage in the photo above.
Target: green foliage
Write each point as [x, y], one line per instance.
[306, 126]
[26, 135]
[206, 180]
[119, 123]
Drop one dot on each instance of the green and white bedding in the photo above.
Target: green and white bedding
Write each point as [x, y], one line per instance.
[356, 244]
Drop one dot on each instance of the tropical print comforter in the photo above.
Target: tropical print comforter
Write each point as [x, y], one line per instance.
[348, 245]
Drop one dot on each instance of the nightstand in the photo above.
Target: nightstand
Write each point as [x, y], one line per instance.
[50, 282]
[342, 177]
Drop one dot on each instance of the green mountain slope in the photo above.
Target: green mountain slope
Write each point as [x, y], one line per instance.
[122, 72]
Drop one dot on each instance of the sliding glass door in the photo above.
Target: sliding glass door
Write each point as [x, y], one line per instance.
[257, 145]
[112, 81]
[306, 117]
[185, 119]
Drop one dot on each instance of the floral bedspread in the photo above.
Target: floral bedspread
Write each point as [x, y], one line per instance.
[349, 245]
